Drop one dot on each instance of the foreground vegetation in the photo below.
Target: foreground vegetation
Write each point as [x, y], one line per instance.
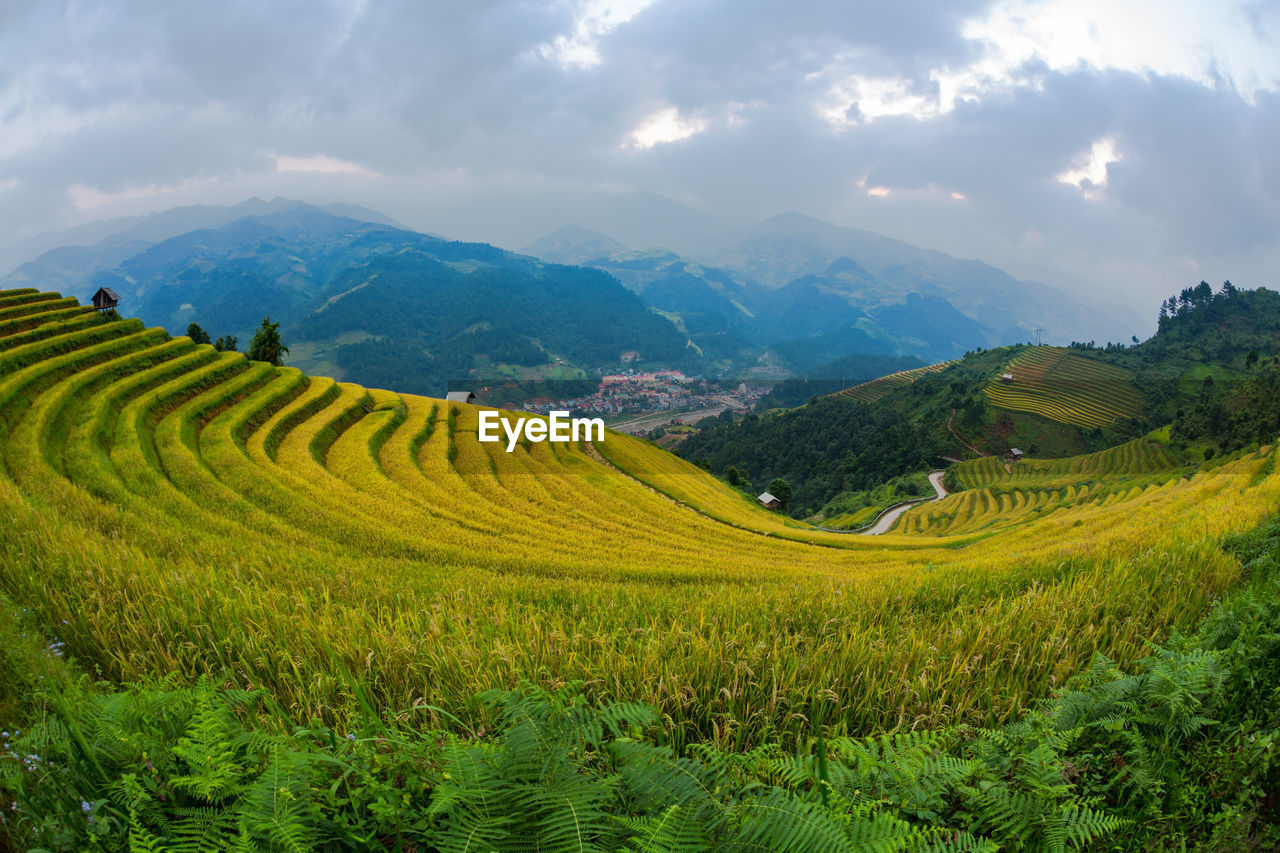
[1178, 754]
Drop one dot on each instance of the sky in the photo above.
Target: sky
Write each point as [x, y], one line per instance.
[1117, 150]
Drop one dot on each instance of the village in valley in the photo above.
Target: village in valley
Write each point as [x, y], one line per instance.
[639, 402]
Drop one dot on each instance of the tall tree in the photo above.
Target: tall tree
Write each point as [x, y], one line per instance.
[266, 344]
[781, 490]
[197, 334]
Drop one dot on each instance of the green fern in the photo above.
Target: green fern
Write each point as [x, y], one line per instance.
[276, 808]
[674, 830]
[776, 820]
[208, 752]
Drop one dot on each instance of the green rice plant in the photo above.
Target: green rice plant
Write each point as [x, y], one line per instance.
[33, 327]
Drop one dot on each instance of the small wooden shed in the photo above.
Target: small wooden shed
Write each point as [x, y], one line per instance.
[105, 299]
[1014, 454]
[1006, 378]
[768, 501]
[460, 397]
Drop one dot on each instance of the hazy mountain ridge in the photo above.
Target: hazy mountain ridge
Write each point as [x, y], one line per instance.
[794, 282]
[868, 266]
[812, 318]
[386, 306]
[574, 245]
[64, 261]
[823, 292]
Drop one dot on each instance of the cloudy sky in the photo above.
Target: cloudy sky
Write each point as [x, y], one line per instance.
[1121, 150]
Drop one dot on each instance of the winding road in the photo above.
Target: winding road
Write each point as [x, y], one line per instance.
[887, 520]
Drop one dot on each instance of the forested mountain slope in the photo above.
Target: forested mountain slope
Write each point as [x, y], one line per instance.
[1048, 401]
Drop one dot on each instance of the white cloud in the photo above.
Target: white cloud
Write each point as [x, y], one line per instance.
[319, 163]
[1089, 172]
[1209, 42]
[592, 19]
[927, 191]
[665, 125]
[856, 98]
[1212, 43]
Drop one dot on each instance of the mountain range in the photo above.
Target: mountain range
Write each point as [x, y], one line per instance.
[820, 287]
[365, 299]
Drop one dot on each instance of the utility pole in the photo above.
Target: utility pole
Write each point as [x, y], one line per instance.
[1039, 332]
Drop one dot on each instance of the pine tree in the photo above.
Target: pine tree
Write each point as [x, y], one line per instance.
[266, 344]
[197, 334]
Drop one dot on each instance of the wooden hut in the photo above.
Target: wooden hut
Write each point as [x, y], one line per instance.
[105, 299]
[768, 501]
[460, 397]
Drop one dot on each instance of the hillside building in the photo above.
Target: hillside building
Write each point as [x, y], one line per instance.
[105, 299]
[460, 397]
[768, 501]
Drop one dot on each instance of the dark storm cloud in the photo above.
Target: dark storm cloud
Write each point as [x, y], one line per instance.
[173, 103]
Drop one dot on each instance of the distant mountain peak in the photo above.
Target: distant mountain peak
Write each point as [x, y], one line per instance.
[574, 245]
[845, 265]
[69, 265]
[791, 245]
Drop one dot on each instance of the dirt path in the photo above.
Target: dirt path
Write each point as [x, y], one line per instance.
[891, 517]
[957, 435]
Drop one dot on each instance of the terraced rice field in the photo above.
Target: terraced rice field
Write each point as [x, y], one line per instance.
[869, 392]
[998, 496]
[1060, 385]
[172, 509]
[1139, 458]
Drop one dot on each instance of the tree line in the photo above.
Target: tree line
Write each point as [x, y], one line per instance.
[266, 345]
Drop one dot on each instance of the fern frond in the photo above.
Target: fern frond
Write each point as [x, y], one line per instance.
[276, 807]
[676, 830]
[778, 821]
